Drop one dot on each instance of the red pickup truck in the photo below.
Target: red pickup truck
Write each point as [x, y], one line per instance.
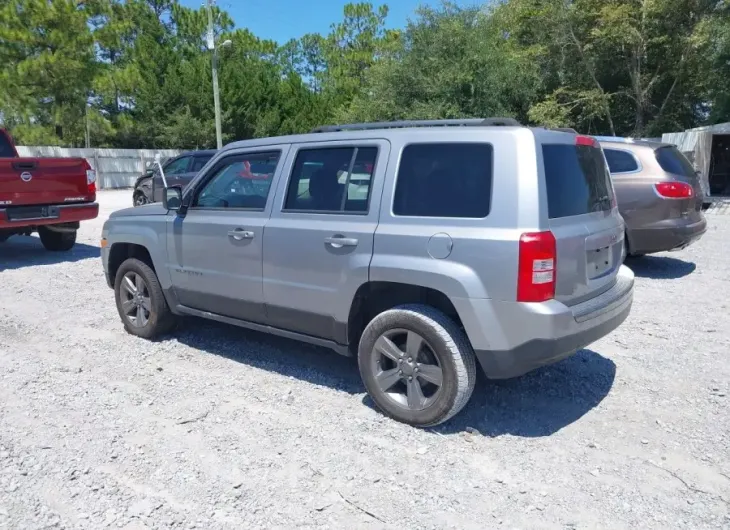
[45, 195]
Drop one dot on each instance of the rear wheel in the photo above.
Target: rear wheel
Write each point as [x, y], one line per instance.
[57, 241]
[417, 365]
[140, 301]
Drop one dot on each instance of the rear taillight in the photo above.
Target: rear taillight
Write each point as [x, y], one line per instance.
[674, 190]
[90, 178]
[536, 270]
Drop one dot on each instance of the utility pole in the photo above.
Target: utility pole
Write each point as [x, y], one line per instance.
[216, 96]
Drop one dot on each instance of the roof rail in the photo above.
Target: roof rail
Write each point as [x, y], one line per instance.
[617, 139]
[472, 122]
[565, 129]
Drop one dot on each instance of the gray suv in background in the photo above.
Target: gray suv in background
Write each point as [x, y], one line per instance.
[421, 248]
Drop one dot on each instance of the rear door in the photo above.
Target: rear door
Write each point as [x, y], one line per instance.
[582, 216]
[319, 241]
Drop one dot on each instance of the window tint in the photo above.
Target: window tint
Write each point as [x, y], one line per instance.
[620, 161]
[240, 181]
[6, 150]
[577, 180]
[322, 179]
[177, 166]
[444, 180]
[199, 162]
[672, 161]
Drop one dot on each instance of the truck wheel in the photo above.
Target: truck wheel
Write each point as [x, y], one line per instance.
[417, 365]
[140, 301]
[57, 241]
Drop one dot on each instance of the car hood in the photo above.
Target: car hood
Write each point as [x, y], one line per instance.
[147, 209]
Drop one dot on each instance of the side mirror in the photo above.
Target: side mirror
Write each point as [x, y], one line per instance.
[172, 198]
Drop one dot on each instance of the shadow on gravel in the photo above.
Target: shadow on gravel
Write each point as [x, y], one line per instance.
[539, 403]
[660, 268]
[290, 358]
[22, 251]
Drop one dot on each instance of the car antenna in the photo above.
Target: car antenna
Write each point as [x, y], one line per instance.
[162, 172]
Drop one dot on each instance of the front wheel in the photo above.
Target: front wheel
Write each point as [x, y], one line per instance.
[417, 365]
[57, 241]
[140, 199]
[140, 301]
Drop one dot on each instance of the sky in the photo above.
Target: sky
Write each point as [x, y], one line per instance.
[281, 20]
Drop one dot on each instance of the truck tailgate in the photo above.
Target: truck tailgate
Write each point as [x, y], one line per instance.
[29, 181]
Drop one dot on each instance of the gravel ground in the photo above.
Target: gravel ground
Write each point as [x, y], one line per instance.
[219, 427]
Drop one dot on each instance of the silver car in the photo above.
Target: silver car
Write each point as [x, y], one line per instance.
[420, 248]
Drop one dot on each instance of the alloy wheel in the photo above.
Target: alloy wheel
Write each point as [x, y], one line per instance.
[136, 303]
[406, 369]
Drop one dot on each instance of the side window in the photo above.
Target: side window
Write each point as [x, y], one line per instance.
[198, 163]
[444, 180]
[177, 166]
[333, 180]
[239, 181]
[620, 161]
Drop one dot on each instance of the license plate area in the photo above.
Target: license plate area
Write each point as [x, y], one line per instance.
[599, 262]
[30, 213]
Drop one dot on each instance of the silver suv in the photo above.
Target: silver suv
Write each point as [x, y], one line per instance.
[418, 247]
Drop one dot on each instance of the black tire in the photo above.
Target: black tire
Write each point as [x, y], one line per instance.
[160, 319]
[57, 241]
[444, 340]
[139, 198]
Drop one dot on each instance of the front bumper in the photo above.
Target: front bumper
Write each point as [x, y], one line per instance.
[669, 234]
[511, 338]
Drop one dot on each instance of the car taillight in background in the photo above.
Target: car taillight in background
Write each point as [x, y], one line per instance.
[90, 178]
[536, 269]
[674, 190]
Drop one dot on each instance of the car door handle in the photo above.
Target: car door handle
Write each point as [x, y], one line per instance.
[239, 234]
[339, 242]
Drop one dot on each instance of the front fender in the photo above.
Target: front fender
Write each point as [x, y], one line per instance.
[149, 232]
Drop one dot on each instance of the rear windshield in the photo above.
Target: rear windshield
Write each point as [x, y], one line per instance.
[672, 161]
[6, 150]
[577, 180]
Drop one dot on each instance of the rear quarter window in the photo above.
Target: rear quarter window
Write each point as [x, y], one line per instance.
[444, 180]
[577, 180]
[620, 161]
[672, 161]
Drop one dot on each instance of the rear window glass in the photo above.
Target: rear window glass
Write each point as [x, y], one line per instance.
[444, 180]
[620, 161]
[577, 180]
[6, 150]
[672, 161]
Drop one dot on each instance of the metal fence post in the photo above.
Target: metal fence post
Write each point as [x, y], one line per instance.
[99, 177]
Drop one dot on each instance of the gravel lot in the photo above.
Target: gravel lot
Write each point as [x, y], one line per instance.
[219, 427]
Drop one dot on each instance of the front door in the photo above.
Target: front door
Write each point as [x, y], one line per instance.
[319, 241]
[215, 249]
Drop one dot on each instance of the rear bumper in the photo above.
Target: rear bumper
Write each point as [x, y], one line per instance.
[511, 339]
[666, 235]
[68, 213]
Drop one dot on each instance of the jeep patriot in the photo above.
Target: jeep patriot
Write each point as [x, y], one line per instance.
[420, 248]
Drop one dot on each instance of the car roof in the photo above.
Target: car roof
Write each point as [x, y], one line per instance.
[359, 131]
[202, 152]
[617, 141]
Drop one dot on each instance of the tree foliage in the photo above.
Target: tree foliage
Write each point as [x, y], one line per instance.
[137, 73]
